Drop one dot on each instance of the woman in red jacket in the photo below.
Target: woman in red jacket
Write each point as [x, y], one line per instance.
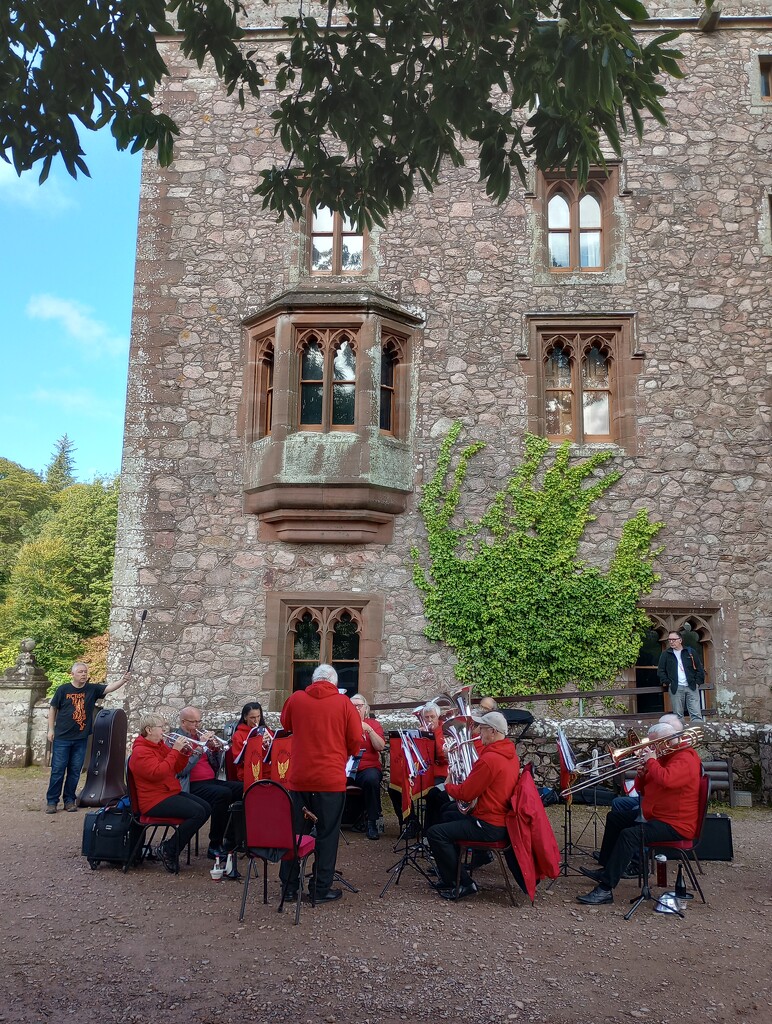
[251, 715]
[154, 768]
[369, 773]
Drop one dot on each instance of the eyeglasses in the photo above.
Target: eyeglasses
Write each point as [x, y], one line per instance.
[672, 639]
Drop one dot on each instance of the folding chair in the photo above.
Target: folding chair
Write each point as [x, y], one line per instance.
[270, 828]
[147, 821]
[500, 848]
[683, 847]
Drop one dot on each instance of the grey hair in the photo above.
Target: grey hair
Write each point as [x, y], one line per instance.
[77, 663]
[359, 697]
[661, 730]
[325, 672]
[492, 701]
[149, 722]
[671, 719]
[430, 705]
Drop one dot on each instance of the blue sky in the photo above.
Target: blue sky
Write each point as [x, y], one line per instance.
[66, 288]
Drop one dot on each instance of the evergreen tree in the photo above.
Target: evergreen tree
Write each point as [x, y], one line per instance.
[59, 472]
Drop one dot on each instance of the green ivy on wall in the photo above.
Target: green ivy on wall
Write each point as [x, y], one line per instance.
[522, 612]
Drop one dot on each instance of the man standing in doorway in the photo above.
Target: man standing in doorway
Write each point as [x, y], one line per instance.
[69, 727]
[680, 670]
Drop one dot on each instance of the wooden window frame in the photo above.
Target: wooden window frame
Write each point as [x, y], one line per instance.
[398, 345]
[285, 609]
[615, 333]
[602, 185]
[337, 234]
[329, 340]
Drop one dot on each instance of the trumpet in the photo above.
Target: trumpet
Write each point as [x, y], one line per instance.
[170, 738]
[596, 770]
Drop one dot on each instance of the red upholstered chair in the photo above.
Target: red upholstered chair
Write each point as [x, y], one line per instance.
[684, 847]
[268, 814]
[146, 822]
[500, 849]
[230, 767]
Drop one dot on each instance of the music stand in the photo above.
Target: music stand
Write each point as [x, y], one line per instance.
[415, 850]
[567, 778]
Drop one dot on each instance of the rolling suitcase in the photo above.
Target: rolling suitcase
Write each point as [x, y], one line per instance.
[109, 835]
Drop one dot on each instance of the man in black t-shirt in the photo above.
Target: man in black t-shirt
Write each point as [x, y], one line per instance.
[69, 727]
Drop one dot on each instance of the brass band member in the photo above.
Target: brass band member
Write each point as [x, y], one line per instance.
[669, 788]
[491, 783]
[251, 716]
[154, 767]
[369, 772]
[326, 731]
[199, 777]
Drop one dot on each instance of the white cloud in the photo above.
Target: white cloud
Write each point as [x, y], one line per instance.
[93, 335]
[25, 191]
[80, 401]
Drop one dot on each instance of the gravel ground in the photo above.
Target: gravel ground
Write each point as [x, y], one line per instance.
[82, 945]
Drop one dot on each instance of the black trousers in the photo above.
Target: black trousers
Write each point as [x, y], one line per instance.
[369, 781]
[622, 841]
[192, 808]
[328, 808]
[219, 795]
[443, 838]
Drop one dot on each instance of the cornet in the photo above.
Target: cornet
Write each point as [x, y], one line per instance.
[170, 738]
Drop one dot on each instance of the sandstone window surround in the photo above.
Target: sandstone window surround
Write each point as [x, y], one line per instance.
[327, 414]
[760, 78]
[578, 227]
[707, 624]
[335, 245]
[305, 629]
[581, 377]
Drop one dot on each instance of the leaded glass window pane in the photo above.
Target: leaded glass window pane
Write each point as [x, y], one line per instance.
[344, 366]
[595, 371]
[313, 362]
[351, 253]
[560, 414]
[558, 369]
[321, 254]
[343, 400]
[596, 419]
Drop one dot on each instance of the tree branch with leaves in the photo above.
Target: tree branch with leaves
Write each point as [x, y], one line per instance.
[377, 97]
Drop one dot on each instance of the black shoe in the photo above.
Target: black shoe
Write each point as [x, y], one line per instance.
[460, 893]
[290, 896]
[596, 874]
[216, 851]
[598, 896]
[329, 896]
[168, 859]
[372, 831]
[630, 872]
[596, 855]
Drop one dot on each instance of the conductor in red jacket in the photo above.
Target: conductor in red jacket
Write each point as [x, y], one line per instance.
[491, 784]
[670, 793]
[326, 731]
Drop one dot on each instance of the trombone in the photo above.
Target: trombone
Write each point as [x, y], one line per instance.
[596, 770]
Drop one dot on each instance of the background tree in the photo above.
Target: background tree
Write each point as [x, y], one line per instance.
[510, 594]
[60, 470]
[23, 497]
[376, 95]
[59, 587]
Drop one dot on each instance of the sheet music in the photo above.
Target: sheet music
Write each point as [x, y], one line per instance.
[569, 760]
[258, 730]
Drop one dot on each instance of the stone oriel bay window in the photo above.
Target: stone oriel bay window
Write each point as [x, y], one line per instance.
[306, 629]
[581, 372]
[327, 414]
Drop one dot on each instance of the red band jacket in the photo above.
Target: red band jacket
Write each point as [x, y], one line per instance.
[154, 767]
[326, 730]
[491, 781]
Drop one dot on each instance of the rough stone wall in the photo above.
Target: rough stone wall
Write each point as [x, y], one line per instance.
[695, 272]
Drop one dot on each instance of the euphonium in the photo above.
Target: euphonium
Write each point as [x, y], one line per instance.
[458, 733]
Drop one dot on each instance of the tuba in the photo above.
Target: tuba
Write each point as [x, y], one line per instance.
[458, 734]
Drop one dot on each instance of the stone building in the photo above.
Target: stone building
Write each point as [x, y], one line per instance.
[290, 385]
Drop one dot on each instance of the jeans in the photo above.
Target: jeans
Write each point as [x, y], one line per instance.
[686, 701]
[67, 756]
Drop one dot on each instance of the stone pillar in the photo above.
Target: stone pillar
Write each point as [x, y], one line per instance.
[21, 687]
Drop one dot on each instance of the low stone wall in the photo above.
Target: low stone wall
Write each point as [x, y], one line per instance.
[749, 747]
